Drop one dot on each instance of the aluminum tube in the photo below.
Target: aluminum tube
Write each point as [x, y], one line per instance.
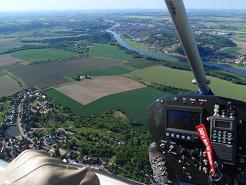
[178, 13]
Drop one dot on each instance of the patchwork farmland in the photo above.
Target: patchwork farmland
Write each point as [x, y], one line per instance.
[182, 79]
[7, 60]
[133, 103]
[45, 75]
[88, 91]
[7, 44]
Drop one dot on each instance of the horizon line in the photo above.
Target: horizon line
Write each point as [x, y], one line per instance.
[117, 9]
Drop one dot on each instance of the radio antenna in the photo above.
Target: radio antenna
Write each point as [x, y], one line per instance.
[178, 13]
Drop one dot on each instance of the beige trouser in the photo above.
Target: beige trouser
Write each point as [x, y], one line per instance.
[33, 167]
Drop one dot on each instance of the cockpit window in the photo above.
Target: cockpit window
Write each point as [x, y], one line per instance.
[77, 78]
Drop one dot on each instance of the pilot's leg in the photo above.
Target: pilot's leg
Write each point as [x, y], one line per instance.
[33, 167]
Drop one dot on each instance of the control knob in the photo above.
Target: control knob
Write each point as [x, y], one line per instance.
[183, 151]
[205, 161]
[216, 110]
[224, 113]
[171, 148]
[205, 170]
[194, 153]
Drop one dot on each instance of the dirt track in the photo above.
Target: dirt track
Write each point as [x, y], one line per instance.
[8, 86]
[87, 91]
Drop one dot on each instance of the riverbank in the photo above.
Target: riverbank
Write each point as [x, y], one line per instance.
[170, 57]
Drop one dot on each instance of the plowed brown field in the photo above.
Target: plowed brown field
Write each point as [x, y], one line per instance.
[89, 90]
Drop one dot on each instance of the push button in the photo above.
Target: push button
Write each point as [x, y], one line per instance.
[224, 138]
[229, 139]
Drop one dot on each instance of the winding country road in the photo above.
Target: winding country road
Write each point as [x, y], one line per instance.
[20, 127]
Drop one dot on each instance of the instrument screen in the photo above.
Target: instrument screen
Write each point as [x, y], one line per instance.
[185, 120]
[222, 124]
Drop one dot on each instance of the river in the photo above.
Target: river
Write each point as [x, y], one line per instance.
[148, 53]
[170, 57]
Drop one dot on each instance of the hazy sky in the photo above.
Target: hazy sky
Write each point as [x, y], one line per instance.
[24, 5]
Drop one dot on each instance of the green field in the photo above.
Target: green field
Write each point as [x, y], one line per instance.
[234, 65]
[242, 51]
[7, 44]
[11, 44]
[231, 51]
[109, 51]
[133, 103]
[134, 43]
[182, 79]
[64, 100]
[2, 73]
[113, 52]
[43, 54]
[235, 51]
[240, 36]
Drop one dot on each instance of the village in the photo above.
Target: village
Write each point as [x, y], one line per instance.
[27, 107]
[163, 38]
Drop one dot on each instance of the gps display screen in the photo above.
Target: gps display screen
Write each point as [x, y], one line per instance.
[222, 124]
[183, 120]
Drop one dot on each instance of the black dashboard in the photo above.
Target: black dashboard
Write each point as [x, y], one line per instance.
[172, 122]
